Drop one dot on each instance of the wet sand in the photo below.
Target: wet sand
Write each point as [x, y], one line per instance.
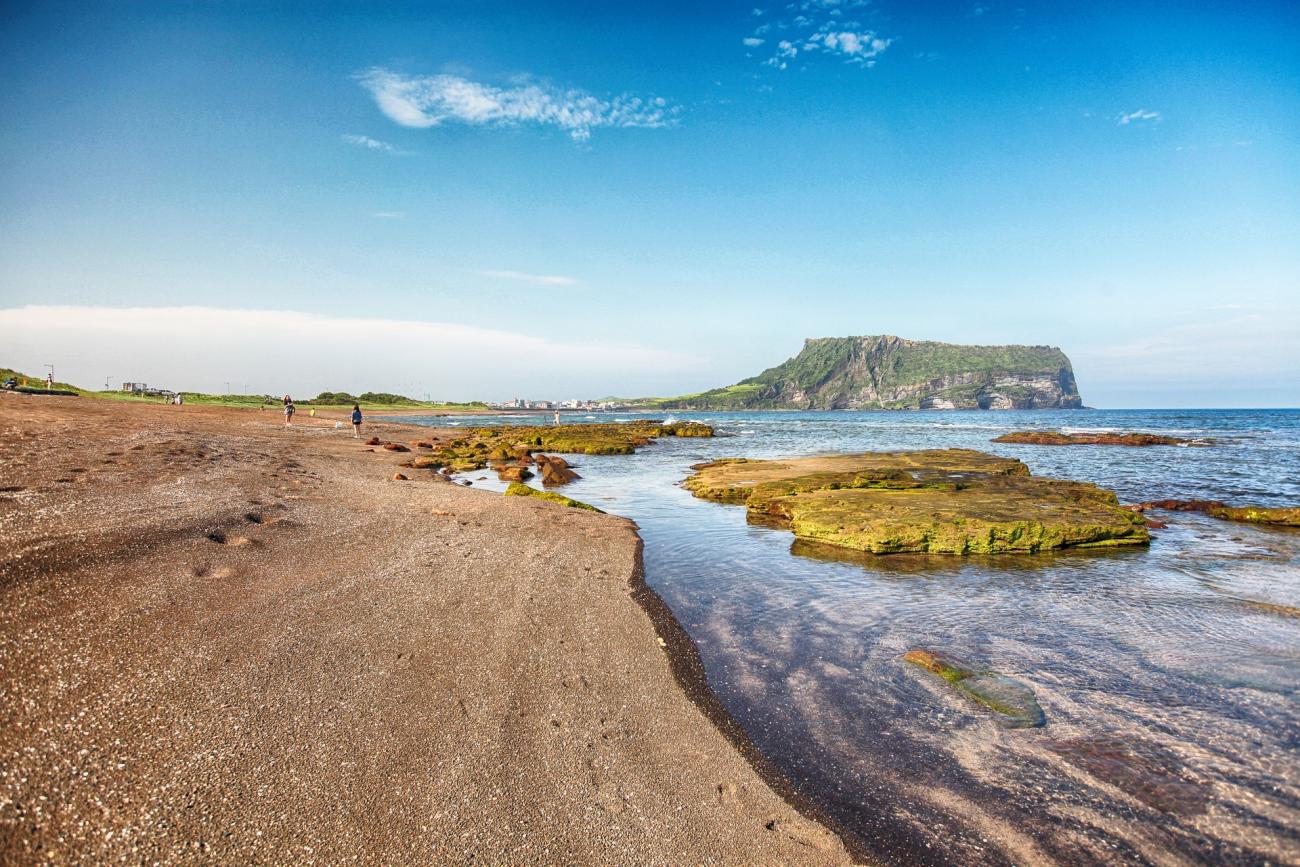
[224, 641]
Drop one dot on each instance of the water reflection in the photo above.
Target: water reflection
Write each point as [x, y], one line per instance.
[1168, 676]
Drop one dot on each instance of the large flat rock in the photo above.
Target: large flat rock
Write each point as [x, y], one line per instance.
[950, 501]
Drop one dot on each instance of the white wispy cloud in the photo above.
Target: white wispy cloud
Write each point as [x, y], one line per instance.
[856, 47]
[388, 215]
[821, 26]
[200, 348]
[431, 100]
[785, 52]
[524, 277]
[1142, 115]
[374, 144]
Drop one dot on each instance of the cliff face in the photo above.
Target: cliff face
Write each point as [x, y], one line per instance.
[885, 372]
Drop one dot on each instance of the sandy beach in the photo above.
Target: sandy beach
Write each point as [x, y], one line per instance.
[224, 641]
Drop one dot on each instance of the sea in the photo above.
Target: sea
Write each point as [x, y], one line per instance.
[1169, 675]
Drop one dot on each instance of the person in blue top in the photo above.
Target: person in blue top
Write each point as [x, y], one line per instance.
[356, 421]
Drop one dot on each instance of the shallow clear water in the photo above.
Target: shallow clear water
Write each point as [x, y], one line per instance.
[1169, 675]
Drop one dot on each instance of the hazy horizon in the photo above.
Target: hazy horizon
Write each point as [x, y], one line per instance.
[558, 201]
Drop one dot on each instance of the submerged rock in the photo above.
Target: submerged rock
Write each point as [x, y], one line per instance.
[1011, 699]
[1139, 769]
[1057, 438]
[940, 501]
[520, 490]
[1286, 516]
[947, 667]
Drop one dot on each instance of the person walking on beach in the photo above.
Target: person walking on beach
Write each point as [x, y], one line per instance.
[289, 410]
[356, 421]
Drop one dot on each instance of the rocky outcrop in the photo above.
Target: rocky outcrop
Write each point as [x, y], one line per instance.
[940, 501]
[513, 473]
[886, 372]
[516, 444]
[554, 470]
[1280, 515]
[1056, 438]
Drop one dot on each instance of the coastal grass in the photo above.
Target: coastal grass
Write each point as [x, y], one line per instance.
[369, 401]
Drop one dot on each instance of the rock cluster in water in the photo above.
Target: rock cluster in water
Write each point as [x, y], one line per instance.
[1012, 700]
[1057, 438]
[506, 446]
[938, 501]
[1284, 516]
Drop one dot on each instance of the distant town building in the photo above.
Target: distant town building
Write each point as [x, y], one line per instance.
[143, 389]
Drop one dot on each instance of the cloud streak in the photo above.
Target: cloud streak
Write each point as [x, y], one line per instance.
[428, 101]
[373, 144]
[274, 351]
[524, 277]
[1142, 115]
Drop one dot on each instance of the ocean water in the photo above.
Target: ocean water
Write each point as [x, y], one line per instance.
[1170, 676]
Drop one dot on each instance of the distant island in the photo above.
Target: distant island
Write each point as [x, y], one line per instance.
[887, 372]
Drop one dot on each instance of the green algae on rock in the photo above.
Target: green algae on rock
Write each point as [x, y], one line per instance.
[1008, 697]
[1284, 516]
[518, 489]
[479, 447]
[939, 501]
[1057, 438]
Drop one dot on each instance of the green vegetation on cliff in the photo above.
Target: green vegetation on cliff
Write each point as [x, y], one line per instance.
[885, 372]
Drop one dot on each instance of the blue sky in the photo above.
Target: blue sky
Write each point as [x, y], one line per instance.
[490, 199]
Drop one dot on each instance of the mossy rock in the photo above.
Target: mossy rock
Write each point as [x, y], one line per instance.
[941, 501]
[1057, 438]
[518, 489]
[479, 447]
[1283, 516]
[1012, 700]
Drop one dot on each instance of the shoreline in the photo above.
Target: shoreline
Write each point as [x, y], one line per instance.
[736, 807]
[688, 670]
